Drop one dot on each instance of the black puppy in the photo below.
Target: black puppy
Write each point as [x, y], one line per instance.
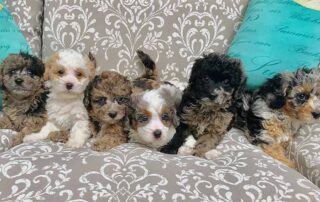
[211, 105]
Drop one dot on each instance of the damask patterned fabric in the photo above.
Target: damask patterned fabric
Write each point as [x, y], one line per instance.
[50, 172]
[28, 16]
[173, 32]
[306, 150]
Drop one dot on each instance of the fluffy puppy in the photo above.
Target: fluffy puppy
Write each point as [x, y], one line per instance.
[280, 107]
[24, 95]
[107, 99]
[67, 74]
[154, 118]
[209, 105]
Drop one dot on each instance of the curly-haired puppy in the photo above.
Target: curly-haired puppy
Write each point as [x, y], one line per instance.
[154, 118]
[107, 99]
[67, 74]
[280, 107]
[209, 104]
[24, 95]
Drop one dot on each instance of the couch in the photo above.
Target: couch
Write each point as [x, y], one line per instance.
[174, 33]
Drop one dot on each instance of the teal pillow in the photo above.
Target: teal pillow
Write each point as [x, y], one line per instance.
[276, 36]
[11, 39]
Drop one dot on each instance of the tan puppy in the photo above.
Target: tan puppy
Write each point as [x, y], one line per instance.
[24, 95]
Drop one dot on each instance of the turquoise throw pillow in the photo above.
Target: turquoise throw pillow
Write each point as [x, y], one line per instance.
[276, 36]
[11, 39]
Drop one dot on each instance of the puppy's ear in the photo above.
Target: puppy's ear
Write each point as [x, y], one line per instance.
[175, 118]
[126, 122]
[92, 65]
[171, 94]
[278, 88]
[87, 93]
[46, 73]
[135, 99]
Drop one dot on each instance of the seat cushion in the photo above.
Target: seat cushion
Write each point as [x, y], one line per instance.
[305, 151]
[173, 32]
[130, 172]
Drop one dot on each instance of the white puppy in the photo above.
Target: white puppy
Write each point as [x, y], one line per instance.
[67, 74]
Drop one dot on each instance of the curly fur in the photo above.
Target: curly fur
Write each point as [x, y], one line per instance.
[24, 95]
[67, 74]
[154, 104]
[210, 104]
[280, 107]
[107, 99]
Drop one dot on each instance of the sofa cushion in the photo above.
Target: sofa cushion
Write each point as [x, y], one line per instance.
[50, 172]
[276, 36]
[28, 16]
[306, 152]
[173, 32]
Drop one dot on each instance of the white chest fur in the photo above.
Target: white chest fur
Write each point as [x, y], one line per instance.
[65, 112]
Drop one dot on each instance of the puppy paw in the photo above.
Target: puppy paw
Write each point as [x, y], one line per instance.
[74, 144]
[185, 150]
[212, 154]
[59, 136]
[100, 146]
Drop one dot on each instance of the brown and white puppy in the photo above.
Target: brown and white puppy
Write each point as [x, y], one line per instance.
[67, 74]
[154, 102]
[280, 107]
[107, 99]
[24, 95]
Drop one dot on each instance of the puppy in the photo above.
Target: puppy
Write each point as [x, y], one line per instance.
[24, 95]
[107, 99]
[154, 103]
[280, 107]
[209, 105]
[67, 74]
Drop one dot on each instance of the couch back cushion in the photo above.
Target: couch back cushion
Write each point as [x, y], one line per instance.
[277, 36]
[173, 32]
[28, 16]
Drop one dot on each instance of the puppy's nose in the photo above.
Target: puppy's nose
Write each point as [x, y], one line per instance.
[316, 115]
[18, 81]
[112, 114]
[157, 133]
[69, 86]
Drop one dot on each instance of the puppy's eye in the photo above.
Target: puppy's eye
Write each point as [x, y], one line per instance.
[61, 72]
[226, 81]
[12, 72]
[79, 74]
[302, 97]
[142, 118]
[101, 101]
[29, 72]
[122, 100]
[206, 79]
[165, 117]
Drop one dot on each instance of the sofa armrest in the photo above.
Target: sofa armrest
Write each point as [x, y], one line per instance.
[6, 139]
[305, 150]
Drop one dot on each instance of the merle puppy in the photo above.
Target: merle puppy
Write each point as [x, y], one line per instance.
[210, 105]
[280, 107]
